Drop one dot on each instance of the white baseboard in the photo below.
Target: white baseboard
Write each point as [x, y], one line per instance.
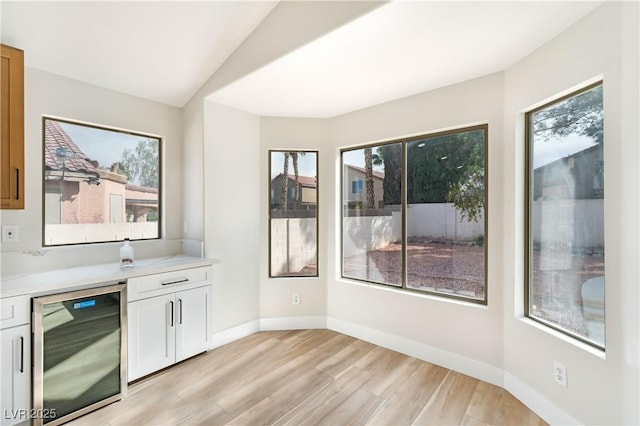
[452, 361]
[229, 335]
[543, 407]
[293, 323]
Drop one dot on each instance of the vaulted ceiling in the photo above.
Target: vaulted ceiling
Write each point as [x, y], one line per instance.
[165, 51]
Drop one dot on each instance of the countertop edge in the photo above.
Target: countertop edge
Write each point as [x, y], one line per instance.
[82, 277]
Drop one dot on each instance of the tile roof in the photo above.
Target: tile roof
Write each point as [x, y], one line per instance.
[377, 174]
[55, 138]
[304, 180]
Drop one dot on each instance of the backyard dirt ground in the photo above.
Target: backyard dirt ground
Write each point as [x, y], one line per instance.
[459, 268]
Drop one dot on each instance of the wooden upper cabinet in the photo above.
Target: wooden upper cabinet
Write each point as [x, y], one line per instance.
[12, 128]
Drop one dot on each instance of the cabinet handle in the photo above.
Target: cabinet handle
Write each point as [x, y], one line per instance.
[180, 306]
[171, 316]
[17, 184]
[183, 280]
[21, 354]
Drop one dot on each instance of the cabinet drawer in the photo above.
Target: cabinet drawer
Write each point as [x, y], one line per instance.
[167, 282]
[14, 311]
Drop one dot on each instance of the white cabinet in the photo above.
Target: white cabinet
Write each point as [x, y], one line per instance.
[16, 360]
[169, 319]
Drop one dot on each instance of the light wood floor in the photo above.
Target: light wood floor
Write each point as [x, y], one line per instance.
[310, 377]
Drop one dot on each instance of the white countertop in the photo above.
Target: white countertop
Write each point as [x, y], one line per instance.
[89, 276]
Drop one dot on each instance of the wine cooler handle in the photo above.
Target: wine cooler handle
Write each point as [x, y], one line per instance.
[21, 354]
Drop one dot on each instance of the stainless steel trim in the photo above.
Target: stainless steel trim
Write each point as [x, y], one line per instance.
[182, 280]
[38, 349]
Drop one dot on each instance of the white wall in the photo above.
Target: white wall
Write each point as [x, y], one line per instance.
[275, 293]
[293, 243]
[602, 389]
[493, 343]
[232, 194]
[58, 96]
[441, 220]
[471, 334]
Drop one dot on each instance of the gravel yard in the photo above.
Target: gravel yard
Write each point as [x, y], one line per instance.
[458, 268]
[434, 265]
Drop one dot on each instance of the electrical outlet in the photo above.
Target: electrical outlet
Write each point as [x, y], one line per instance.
[9, 233]
[560, 374]
[295, 298]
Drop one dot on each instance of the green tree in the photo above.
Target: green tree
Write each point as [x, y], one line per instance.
[434, 164]
[580, 114]
[390, 158]
[141, 165]
[468, 193]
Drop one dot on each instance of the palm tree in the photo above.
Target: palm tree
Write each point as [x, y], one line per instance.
[368, 165]
[294, 159]
[296, 195]
[285, 181]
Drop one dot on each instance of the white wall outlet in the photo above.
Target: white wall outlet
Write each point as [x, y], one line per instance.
[295, 298]
[560, 374]
[9, 233]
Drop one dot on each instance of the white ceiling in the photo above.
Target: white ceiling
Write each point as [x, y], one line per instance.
[165, 51]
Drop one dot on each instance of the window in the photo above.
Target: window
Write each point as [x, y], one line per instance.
[100, 184]
[293, 214]
[421, 223]
[356, 187]
[565, 215]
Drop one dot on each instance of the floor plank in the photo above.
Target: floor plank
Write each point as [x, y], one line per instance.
[311, 377]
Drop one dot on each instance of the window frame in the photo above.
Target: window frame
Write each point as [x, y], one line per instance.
[528, 223]
[271, 191]
[404, 198]
[160, 214]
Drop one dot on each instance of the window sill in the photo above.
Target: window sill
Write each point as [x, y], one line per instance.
[413, 293]
[599, 353]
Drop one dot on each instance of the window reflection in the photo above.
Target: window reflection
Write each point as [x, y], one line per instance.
[566, 215]
[434, 243]
[372, 214]
[99, 184]
[293, 218]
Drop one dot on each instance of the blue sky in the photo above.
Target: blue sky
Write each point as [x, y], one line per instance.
[105, 146]
[306, 164]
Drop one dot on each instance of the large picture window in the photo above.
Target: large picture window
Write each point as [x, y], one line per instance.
[565, 215]
[100, 184]
[419, 222]
[293, 214]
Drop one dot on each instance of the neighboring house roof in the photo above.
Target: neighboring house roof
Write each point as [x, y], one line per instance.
[376, 174]
[571, 154]
[55, 139]
[306, 181]
[548, 152]
[139, 188]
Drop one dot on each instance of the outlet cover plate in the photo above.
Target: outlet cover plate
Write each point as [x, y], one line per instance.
[560, 374]
[9, 233]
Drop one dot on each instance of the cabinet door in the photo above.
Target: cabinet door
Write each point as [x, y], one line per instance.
[12, 128]
[192, 325]
[16, 374]
[151, 335]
